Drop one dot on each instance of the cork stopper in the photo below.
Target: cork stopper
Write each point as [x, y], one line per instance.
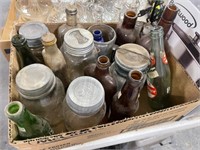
[48, 39]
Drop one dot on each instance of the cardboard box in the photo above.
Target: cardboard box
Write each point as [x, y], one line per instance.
[185, 97]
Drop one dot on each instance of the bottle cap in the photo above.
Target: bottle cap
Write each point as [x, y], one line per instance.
[35, 81]
[48, 39]
[71, 10]
[78, 41]
[85, 95]
[33, 31]
[132, 56]
[18, 40]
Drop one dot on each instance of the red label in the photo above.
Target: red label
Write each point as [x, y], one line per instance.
[153, 61]
[152, 92]
[164, 58]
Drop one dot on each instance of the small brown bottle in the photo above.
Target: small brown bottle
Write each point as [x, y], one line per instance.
[125, 102]
[100, 71]
[125, 30]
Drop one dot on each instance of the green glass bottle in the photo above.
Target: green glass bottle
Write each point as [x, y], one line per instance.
[28, 124]
[24, 54]
[159, 75]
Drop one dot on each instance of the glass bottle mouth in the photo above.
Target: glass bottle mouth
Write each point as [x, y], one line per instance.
[156, 32]
[18, 40]
[136, 75]
[13, 109]
[103, 62]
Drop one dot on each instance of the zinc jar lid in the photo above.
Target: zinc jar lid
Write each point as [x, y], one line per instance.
[78, 41]
[35, 81]
[33, 31]
[128, 57]
[85, 95]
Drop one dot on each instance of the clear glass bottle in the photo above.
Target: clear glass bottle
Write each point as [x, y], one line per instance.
[100, 71]
[25, 56]
[71, 14]
[125, 30]
[84, 104]
[42, 94]
[79, 51]
[54, 58]
[159, 75]
[128, 57]
[125, 102]
[28, 124]
[33, 32]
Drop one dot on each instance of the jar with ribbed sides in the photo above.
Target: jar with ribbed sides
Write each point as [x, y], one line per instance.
[84, 104]
[129, 56]
[42, 93]
[79, 51]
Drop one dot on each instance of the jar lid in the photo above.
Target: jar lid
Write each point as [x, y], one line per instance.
[33, 32]
[78, 41]
[128, 57]
[85, 95]
[35, 81]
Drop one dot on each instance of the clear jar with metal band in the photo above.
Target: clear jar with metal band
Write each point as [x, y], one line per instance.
[42, 93]
[84, 105]
[128, 57]
[79, 51]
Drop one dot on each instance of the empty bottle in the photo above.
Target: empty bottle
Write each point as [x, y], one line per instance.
[125, 102]
[159, 75]
[28, 124]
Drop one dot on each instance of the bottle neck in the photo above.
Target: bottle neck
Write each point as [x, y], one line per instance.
[129, 20]
[71, 20]
[51, 49]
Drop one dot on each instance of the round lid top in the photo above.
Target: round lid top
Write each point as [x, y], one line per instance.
[78, 41]
[33, 30]
[85, 95]
[132, 56]
[48, 39]
[35, 81]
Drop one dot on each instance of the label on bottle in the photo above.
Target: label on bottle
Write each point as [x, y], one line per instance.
[163, 57]
[152, 92]
[21, 129]
[153, 73]
[152, 59]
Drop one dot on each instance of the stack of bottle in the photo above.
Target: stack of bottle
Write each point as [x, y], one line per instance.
[69, 83]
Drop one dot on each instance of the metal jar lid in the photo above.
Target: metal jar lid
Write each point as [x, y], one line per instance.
[33, 31]
[132, 56]
[35, 81]
[78, 42]
[85, 95]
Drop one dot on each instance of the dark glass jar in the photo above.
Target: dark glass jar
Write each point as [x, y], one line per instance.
[100, 71]
[125, 30]
[125, 102]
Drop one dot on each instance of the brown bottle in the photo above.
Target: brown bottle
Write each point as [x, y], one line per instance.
[100, 71]
[125, 102]
[125, 30]
[168, 17]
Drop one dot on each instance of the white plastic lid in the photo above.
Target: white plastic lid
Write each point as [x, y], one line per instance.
[78, 41]
[35, 81]
[85, 95]
[128, 57]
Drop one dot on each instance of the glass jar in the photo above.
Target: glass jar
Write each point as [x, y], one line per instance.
[84, 105]
[42, 94]
[33, 32]
[128, 57]
[79, 51]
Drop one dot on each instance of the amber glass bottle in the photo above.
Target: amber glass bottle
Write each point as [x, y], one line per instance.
[125, 30]
[100, 71]
[125, 102]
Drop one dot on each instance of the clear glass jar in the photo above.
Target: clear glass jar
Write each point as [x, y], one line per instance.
[79, 51]
[84, 105]
[42, 93]
[128, 57]
[33, 32]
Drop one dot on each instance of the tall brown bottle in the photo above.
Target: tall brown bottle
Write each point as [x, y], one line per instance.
[100, 71]
[125, 102]
[125, 30]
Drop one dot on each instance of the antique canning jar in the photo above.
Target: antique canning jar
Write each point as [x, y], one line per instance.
[84, 105]
[129, 56]
[42, 93]
[79, 51]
